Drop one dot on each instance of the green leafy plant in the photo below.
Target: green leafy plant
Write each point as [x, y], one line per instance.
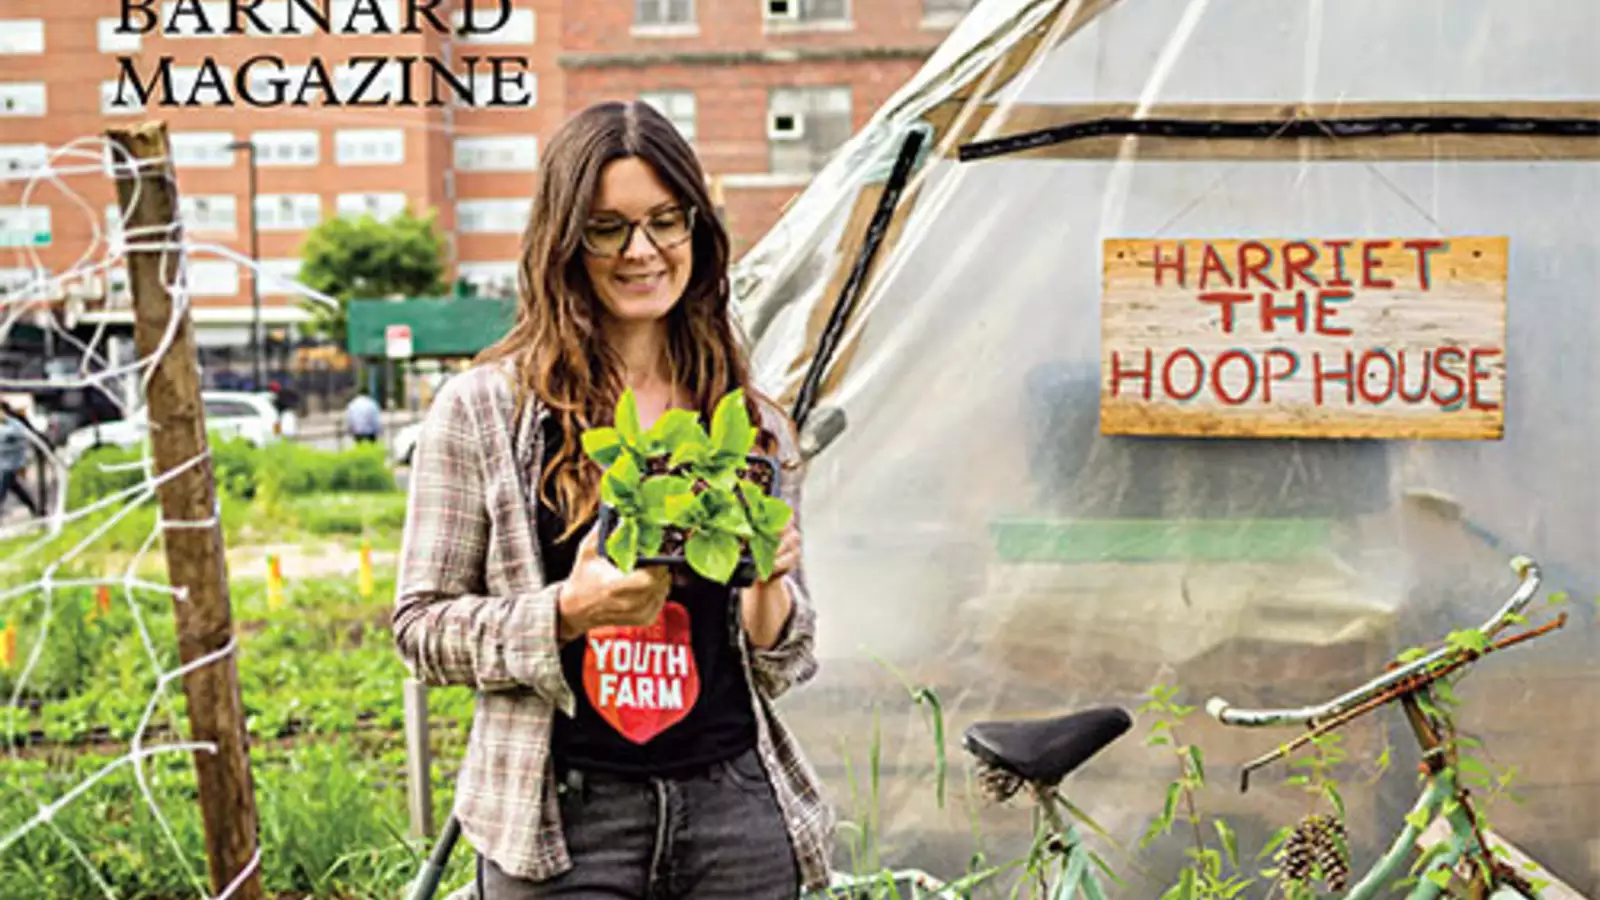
[678, 490]
[1212, 872]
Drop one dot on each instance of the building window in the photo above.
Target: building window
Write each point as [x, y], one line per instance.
[490, 279]
[344, 20]
[179, 19]
[805, 12]
[347, 80]
[278, 276]
[213, 213]
[16, 279]
[492, 216]
[509, 153]
[21, 37]
[381, 205]
[288, 212]
[944, 12]
[113, 232]
[279, 149]
[518, 28]
[112, 42]
[185, 81]
[677, 106]
[22, 98]
[281, 85]
[16, 158]
[663, 13]
[516, 92]
[202, 149]
[805, 126]
[108, 100]
[25, 226]
[213, 278]
[369, 146]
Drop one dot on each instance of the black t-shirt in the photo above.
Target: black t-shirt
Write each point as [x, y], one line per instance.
[661, 700]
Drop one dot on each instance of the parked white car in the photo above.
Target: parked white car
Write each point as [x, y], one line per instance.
[251, 416]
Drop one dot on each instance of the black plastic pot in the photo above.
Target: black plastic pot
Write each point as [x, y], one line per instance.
[744, 574]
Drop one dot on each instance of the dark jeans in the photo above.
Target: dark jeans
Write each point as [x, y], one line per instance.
[366, 438]
[11, 483]
[714, 836]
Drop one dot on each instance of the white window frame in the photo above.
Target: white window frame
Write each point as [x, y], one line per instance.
[369, 146]
[497, 153]
[202, 149]
[108, 100]
[520, 28]
[944, 13]
[492, 215]
[215, 12]
[661, 24]
[800, 103]
[383, 205]
[109, 41]
[35, 219]
[285, 148]
[293, 76]
[21, 37]
[16, 158]
[288, 212]
[339, 15]
[209, 213]
[277, 274]
[212, 278]
[389, 82]
[670, 103]
[481, 85]
[16, 278]
[797, 15]
[23, 99]
[186, 78]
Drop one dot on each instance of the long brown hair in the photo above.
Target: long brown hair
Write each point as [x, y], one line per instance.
[556, 343]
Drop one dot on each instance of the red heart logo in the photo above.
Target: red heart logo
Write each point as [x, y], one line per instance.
[642, 680]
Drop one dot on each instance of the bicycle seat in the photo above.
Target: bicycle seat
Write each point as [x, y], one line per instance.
[1046, 750]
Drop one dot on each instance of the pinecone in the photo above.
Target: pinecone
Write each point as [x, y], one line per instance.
[996, 783]
[1318, 843]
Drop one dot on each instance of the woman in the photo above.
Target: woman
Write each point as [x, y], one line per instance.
[692, 788]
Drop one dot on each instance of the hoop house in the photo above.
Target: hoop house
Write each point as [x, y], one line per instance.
[1060, 483]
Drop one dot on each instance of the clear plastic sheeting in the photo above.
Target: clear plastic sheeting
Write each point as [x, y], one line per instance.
[971, 530]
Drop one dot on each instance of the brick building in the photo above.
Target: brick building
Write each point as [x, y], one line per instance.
[764, 88]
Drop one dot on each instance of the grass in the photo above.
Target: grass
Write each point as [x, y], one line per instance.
[321, 686]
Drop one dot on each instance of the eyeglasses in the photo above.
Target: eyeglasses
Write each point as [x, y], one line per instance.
[665, 229]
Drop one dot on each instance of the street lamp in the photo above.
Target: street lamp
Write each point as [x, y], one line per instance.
[255, 266]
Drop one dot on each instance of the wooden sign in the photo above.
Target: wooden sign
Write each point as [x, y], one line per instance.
[1370, 338]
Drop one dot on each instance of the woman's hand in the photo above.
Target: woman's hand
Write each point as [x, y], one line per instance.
[597, 594]
[765, 605]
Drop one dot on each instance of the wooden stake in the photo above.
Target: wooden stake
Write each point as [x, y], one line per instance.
[195, 562]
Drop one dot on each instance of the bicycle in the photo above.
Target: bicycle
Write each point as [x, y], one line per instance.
[1035, 755]
[1411, 685]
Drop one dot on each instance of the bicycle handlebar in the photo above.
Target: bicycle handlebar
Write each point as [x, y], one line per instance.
[1225, 713]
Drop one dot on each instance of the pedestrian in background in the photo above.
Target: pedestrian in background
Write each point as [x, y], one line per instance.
[14, 458]
[363, 419]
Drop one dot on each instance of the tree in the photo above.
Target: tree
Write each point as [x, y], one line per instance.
[364, 259]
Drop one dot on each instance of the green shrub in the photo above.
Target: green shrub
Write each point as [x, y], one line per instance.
[89, 479]
[243, 471]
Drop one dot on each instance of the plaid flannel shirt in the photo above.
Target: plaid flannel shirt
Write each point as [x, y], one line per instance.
[471, 608]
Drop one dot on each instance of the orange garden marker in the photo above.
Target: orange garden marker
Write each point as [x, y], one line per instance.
[8, 645]
[102, 599]
[274, 581]
[364, 575]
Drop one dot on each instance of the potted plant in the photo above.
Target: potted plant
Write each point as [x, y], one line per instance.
[676, 495]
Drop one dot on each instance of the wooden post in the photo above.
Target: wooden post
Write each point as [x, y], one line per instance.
[195, 562]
